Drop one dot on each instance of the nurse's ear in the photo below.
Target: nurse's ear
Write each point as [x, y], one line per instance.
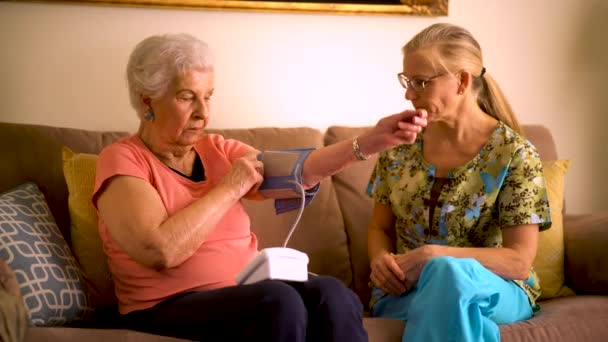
[464, 81]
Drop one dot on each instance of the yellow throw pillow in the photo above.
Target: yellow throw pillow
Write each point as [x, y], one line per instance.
[79, 173]
[549, 262]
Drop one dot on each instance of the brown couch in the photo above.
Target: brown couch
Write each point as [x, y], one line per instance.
[332, 231]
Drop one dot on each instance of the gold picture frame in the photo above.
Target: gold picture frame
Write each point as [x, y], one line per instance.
[402, 7]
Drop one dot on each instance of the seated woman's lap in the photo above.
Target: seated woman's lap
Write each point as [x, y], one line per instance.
[334, 311]
[268, 310]
[460, 291]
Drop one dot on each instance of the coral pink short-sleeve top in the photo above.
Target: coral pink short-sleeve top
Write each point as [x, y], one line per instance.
[219, 258]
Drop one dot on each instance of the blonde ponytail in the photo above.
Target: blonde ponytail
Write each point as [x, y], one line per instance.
[493, 101]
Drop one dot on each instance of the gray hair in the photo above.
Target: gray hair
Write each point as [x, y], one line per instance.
[157, 60]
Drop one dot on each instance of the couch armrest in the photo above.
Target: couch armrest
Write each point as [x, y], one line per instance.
[13, 316]
[586, 246]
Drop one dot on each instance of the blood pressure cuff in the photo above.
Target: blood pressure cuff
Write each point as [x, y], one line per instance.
[282, 170]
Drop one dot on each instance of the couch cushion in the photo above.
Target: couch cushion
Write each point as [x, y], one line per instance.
[356, 208]
[34, 152]
[541, 138]
[33, 247]
[79, 171]
[383, 329]
[58, 334]
[577, 318]
[320, 233]
[549, 261]
[586, 239]
[321, 217]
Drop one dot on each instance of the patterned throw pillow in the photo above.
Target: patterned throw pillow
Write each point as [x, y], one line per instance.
[33, 247]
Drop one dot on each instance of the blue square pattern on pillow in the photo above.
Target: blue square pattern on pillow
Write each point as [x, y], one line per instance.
[33, 247]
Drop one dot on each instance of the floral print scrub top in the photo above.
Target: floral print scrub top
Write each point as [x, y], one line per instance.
[502, 186]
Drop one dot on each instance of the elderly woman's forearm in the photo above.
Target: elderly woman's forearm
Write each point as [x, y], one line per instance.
[327, 161]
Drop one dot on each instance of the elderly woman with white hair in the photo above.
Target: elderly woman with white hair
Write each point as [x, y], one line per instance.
[171, 220]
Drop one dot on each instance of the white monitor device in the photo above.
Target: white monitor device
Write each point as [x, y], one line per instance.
[280, 263]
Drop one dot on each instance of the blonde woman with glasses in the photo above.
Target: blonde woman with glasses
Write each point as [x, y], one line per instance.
[457, 213]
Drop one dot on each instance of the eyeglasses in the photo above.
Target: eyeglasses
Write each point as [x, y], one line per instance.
[416, 84]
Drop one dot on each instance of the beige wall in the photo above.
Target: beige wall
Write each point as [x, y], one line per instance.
[63, 65]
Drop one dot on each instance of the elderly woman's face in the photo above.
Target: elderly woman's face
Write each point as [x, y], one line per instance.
[436, 90]
[182, 113]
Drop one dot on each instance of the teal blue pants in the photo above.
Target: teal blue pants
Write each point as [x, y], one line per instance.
[455, 300]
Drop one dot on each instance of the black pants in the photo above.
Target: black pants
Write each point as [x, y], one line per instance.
[322, 309]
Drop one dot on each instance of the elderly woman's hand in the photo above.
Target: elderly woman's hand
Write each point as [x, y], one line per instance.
[393, 130]
[245, 175]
